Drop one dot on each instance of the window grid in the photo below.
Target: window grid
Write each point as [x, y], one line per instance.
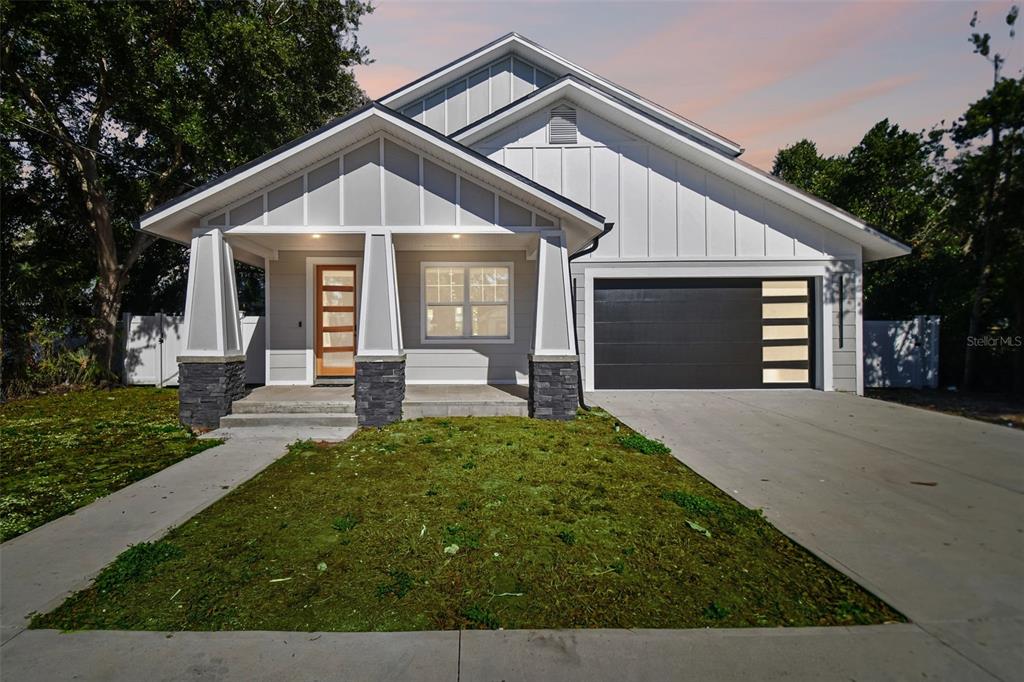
[449, 302]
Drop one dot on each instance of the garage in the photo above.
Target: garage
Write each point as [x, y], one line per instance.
[703, 333]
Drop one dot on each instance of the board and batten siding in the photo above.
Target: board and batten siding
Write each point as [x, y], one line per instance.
[352, 189]
[663, 206]
[668, 211]
[466, 100]
[467, 362]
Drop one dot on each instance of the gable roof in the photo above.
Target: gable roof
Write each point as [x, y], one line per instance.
[175, 218]
[513, 43]
[876, 244]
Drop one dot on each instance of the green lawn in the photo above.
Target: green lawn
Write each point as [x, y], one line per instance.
[471, 522]
[61, 452]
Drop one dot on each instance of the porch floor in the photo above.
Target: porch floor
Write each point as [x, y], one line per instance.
[421, 400]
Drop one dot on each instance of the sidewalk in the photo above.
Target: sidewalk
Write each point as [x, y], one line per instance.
[40, 569]
[881, 652]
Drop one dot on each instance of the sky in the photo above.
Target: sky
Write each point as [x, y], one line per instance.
[764, 74]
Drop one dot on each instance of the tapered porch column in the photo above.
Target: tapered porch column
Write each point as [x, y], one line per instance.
[380, 359]
[211, 367]
[554, 362]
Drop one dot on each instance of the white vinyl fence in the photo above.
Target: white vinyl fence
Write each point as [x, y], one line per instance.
[902, 353]
[153, 344]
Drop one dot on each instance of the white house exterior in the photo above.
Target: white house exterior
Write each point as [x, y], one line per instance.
[514, 218]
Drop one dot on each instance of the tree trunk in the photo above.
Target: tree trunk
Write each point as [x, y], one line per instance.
[977, 311]
[987, 253]
[1018, 352]
[109, 284]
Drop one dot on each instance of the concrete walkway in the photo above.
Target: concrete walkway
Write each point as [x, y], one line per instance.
[40, 569]
[924, 509]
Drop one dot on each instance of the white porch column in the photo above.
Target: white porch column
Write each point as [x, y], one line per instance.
[211, 368]
[554, 362]
[380, 360]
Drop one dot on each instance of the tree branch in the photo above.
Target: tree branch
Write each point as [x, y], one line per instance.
[156, 191]
[99, 111]
[139, 244]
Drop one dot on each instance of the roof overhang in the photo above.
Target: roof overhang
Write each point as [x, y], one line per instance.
[175, 219]
[876, 244]
[516, 44]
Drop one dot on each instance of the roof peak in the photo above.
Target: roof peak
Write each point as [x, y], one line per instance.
[559, 67]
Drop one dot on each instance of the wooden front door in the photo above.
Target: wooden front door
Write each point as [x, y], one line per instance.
[335, 320]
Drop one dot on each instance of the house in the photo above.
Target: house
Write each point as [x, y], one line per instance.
[514, 218]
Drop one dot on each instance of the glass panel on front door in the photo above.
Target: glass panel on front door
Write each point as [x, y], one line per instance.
[335, 320]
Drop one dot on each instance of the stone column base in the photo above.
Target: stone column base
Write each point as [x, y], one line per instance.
[380, 389]
[207, 386]
[554, 386]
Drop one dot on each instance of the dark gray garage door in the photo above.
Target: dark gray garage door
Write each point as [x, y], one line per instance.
[702, 333]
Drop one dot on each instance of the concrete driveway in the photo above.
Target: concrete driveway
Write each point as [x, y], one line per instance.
[924, 509]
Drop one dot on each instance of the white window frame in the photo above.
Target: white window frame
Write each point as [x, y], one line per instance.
[466, 339]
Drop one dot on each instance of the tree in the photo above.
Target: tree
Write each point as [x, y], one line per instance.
[890, 181]
[963, 216]
[986, 185]
[802, 166]
[120, 106]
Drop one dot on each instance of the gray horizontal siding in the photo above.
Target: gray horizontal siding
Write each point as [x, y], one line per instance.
[466, 362]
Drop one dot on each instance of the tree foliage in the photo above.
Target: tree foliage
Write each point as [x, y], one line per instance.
[111, 108]
[956, 195]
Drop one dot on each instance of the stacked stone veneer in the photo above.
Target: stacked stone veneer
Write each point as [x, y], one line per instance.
[380, 389]
[554, 386]
[207, 386]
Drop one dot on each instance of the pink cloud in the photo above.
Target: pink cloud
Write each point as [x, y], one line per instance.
[723, 52]
[379, 79]
[762, 124]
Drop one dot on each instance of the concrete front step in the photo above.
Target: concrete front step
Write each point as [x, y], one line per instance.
[293, 407]
[416, 409]
[288, 419]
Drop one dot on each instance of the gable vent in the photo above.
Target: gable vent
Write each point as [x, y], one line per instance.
[562, 126]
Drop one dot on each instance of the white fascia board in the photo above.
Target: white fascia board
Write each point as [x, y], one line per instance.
[877, 246]
[559, 66]
[151, 221]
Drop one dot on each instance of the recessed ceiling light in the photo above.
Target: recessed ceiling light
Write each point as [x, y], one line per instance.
[316, 236]
[456, 236]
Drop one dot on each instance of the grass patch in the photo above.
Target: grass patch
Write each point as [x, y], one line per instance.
[640, 443]
[557, 525]
[695, 504]
[63, 451]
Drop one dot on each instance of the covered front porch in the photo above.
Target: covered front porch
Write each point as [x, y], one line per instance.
[393, 324]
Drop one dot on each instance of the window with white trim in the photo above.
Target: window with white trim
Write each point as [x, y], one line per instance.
[467, 301]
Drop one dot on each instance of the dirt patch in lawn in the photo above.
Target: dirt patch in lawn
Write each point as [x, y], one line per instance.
[478, 523]
[994, 408]
[63, 451]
